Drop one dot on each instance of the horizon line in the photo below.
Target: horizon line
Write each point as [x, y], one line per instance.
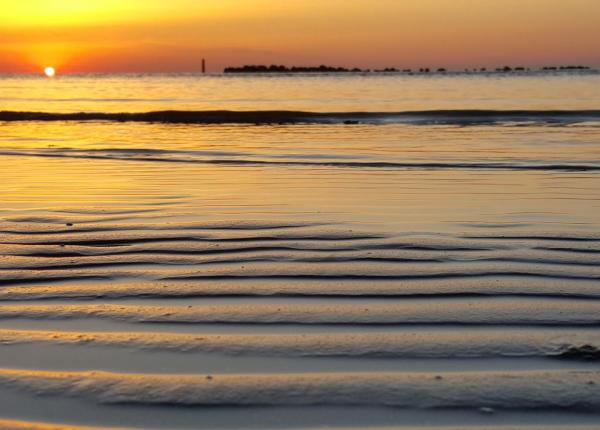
[377, 71]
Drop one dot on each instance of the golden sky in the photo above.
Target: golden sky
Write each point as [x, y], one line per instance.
[174, 35]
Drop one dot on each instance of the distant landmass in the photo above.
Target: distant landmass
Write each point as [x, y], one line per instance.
[332, 69]
[283, 69]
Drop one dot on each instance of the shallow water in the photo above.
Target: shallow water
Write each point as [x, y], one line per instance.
[405, 274]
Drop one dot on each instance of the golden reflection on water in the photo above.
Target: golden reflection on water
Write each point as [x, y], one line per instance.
[400, 199]
[135, 93]
[178, 170]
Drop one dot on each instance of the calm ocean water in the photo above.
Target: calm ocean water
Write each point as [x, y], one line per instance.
[422, 269]
[320, 93]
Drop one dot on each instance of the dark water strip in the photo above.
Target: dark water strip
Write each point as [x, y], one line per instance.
[298, 117]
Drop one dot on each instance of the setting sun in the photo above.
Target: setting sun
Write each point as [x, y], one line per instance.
[50, 72]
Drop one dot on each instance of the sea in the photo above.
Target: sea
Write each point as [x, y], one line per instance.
[276, 251]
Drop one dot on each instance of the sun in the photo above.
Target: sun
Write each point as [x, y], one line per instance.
[50, 72]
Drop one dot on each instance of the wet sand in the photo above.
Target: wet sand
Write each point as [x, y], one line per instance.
[328, 285]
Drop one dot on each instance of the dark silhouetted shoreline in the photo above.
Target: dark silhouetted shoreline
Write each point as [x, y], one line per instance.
[295, 69]
[267, 69]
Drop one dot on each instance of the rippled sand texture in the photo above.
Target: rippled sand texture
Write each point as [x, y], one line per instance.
[300, 276]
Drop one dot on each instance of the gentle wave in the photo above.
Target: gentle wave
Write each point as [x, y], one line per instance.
[290, 252]
[342, 289]
[268, 272]
[468, 312]
[428, 344]
[129, 155]
[550, 390]
[460, 117]
[50, 227]
[170, 260]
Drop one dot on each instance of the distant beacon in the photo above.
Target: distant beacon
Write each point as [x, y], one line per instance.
[203, 65]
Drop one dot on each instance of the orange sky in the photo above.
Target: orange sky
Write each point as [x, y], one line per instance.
[173, 35]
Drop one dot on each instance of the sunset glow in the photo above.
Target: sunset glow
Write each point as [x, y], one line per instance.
[126, 35]
[50, 72]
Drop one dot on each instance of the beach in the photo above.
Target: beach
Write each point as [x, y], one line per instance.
[384, 251]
